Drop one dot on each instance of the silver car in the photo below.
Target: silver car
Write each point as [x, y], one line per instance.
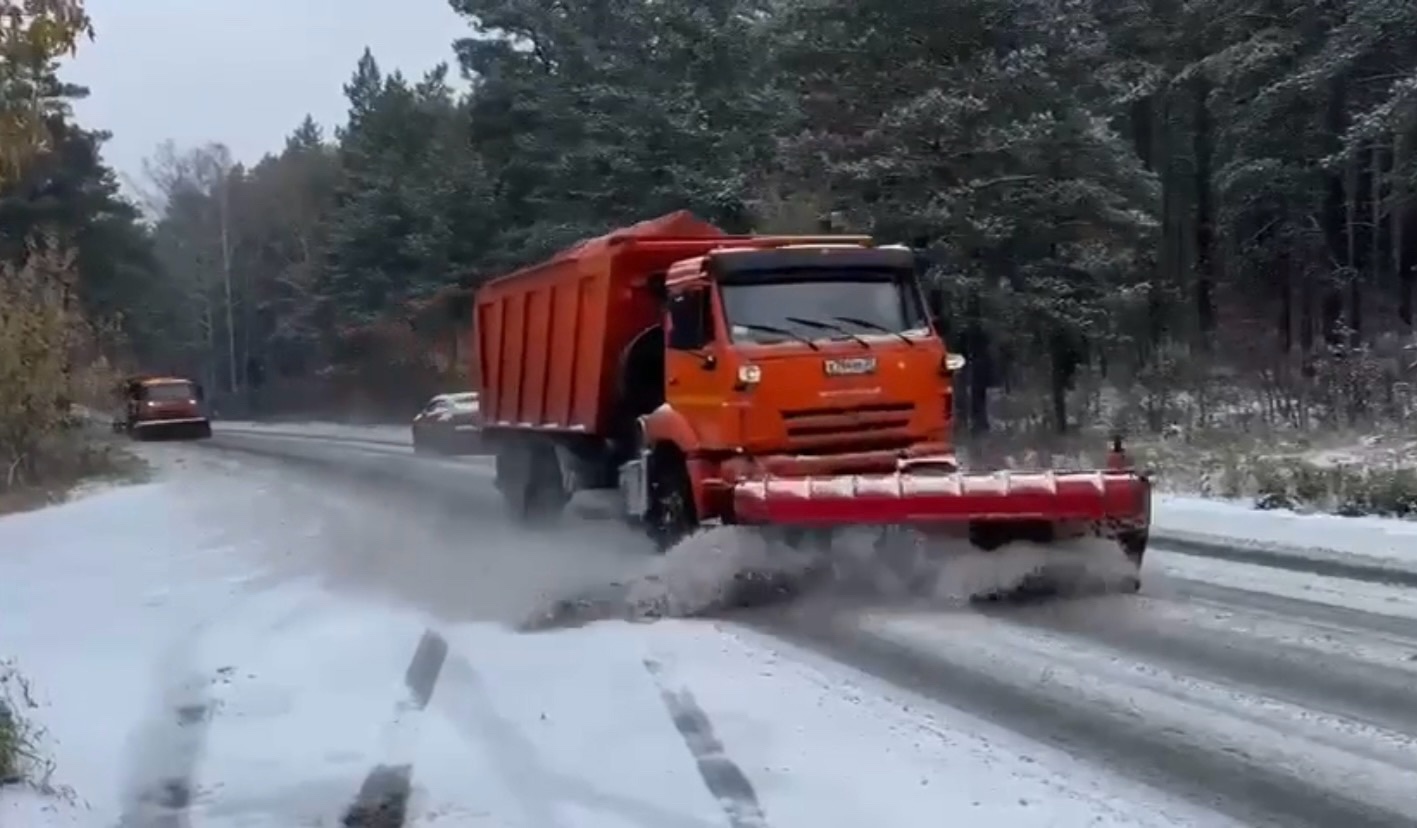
[449, 424]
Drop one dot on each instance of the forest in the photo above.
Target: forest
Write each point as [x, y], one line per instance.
[1141, 214]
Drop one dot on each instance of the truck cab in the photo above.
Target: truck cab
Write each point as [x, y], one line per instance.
[802, 351]
[789, 360]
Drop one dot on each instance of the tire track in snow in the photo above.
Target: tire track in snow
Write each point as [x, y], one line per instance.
[542, 791]
[1269, 719]
[1323, 668]
[724, 779]
[168, 747]
[382, 801]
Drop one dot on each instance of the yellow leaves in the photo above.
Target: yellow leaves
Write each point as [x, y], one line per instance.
[46, 351]
[33, 34]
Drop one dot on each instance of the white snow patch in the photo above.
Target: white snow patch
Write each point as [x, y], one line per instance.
[391, 434]
[1388, 541]
[1380, 599]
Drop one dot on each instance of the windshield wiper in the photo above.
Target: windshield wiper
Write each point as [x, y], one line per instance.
[781, 331]
[873, 326]
[826, 326]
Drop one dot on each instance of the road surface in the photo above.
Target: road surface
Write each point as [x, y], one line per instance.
[350, 637]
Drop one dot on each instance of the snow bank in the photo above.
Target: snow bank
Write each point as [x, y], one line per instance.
[393, 434]
[1372, 541]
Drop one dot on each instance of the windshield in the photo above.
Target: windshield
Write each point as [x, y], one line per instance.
[464, 402]
[835, 308]
[169, 392]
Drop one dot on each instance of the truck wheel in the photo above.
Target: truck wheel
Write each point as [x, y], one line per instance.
[529, 477]
[1134, 547]
[672, 516]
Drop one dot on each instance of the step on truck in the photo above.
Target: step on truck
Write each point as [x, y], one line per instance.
[791, 382]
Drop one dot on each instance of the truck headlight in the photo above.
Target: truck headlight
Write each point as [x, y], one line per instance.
[749, 374]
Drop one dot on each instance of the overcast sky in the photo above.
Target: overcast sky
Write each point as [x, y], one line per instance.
[243, 72]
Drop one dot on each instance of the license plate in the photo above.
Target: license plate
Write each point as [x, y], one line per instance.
[850, 367]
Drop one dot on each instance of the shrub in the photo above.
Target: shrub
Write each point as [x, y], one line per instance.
[20, 759]
[48, 362]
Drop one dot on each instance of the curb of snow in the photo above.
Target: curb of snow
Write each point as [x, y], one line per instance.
[373, 437]
[1317, 560]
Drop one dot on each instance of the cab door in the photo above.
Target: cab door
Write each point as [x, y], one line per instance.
[697, 379]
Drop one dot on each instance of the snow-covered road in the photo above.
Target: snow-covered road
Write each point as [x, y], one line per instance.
[282, 629]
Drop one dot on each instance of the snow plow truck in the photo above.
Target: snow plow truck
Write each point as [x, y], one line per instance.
[797, 383]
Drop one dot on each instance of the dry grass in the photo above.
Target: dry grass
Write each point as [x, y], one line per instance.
[21, 761]
[69, 465]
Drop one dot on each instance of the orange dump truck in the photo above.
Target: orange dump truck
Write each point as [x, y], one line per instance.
[796, 382]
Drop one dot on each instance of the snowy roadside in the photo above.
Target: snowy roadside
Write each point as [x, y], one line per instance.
[1348, 546]
[190, 661]
[392, 434]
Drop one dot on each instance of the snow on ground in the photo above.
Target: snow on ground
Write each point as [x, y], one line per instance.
[1388, 541]
[1380, 599]
[186, 659]
[1298, 739]
[399, 434]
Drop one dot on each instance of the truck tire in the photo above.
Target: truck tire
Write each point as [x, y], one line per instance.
[672, 515]
[1134, 547]
[529, 477]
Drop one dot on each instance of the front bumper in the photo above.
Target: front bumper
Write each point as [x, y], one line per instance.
[172, 422]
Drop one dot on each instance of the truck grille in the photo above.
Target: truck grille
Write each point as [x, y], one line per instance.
[883, 424]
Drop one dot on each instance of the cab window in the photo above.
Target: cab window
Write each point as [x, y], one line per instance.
[168, 392]
[690, 320]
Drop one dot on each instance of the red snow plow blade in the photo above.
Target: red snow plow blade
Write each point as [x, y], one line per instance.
[1113, 502]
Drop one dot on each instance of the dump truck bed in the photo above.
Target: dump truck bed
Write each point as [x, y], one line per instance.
[549, 336]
